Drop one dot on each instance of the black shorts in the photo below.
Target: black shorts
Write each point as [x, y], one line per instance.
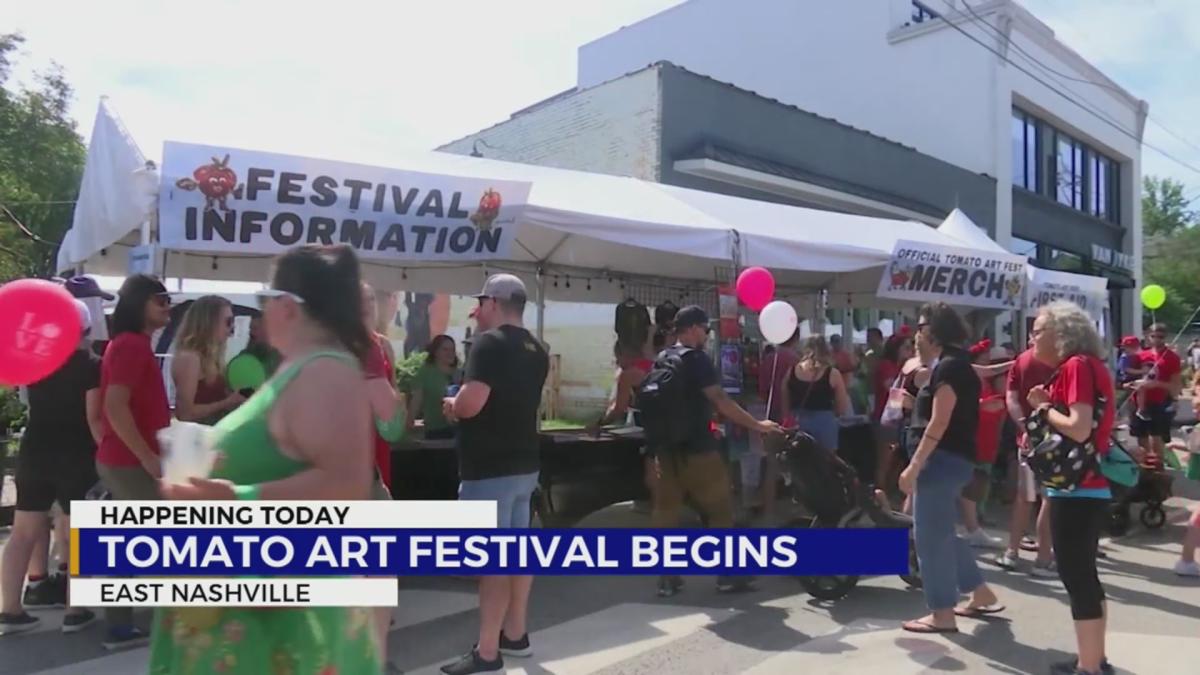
[1158, 424]
[40, 483]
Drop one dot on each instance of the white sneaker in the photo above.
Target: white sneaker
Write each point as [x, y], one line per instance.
[1009, 560]
[1187, 568]
[1046, 571]
[981, 539]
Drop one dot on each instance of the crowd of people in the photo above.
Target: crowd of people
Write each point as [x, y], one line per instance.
[944, 413]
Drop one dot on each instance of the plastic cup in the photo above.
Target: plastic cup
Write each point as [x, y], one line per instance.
[189, 451]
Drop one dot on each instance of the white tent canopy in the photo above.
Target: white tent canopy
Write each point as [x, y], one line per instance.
[583, 225]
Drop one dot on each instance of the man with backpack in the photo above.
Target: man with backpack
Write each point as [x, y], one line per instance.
[677, 400]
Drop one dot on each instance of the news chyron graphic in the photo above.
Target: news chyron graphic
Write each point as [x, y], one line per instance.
[280, 554]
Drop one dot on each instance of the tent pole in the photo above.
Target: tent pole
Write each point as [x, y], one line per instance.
[541, 306]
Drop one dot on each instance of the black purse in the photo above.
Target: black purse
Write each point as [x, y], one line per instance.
[1057, 461]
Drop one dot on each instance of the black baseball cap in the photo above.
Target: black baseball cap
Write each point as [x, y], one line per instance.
[86, 287]
[691, 316]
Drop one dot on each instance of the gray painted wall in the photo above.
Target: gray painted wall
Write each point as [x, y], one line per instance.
[1043, 220]
[697, 110]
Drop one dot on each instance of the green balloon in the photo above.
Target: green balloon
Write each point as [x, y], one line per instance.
[1153, 296]
[245, 371]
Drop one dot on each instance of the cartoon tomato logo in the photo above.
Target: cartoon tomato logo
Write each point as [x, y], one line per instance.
[488, 211]
[215, 181]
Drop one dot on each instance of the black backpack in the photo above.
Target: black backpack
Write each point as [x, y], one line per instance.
[664, 401]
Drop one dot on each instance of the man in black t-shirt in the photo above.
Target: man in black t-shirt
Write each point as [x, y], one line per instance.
[56, 463]
[498, 455]
[696, 468]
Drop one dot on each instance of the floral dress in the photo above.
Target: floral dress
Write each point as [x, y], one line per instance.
[263, 641]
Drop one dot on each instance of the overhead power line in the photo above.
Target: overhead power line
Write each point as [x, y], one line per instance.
[1068, 97]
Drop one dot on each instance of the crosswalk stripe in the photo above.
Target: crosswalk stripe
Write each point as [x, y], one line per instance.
[597, 640]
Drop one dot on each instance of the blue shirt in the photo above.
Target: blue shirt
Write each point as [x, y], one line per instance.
[1081, 493]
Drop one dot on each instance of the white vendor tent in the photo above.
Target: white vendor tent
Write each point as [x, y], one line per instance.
[589, 227]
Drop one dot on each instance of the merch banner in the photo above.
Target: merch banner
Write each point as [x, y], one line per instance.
[223, 200]
[1046, 286]
[924, 272]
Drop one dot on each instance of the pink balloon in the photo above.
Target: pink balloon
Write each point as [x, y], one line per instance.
[755, 288]
[39, 329]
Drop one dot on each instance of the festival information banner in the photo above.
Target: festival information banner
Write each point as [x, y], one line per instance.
[223, 200]
[923, 272]
[1046, 286]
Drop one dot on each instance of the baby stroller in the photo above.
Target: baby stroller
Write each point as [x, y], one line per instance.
[828, 489]
[1152, 489]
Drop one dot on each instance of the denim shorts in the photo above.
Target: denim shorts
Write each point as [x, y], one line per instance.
[511, 494]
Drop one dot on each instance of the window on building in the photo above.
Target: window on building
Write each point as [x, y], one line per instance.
[1024, 151]
[1056, 165]
[1024, 247]
[1065, 261]
[921, 13]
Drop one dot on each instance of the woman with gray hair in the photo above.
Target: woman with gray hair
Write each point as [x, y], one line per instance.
[1064, 334]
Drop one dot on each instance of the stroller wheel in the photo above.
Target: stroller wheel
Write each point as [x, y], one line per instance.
[1153, 517]
[829, 588]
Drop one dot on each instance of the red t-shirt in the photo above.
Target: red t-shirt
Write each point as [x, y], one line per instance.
[987, 434]
[780, 363]
[885, 376]
[376, 366]
[129, 361]
[1078, 379]
[1026, 373]
[1166, 365]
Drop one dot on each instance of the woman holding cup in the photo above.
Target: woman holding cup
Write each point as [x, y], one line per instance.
[280, 446]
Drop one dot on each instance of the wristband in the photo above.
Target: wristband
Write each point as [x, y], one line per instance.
[247, 493]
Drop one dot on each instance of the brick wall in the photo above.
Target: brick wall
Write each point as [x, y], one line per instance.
[612, 128]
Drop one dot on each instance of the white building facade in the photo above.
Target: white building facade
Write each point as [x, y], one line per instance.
[891, 108]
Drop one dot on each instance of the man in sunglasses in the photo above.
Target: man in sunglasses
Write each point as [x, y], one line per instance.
[1156, 393]
[693, 468]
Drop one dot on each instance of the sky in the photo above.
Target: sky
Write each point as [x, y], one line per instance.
[391, 78]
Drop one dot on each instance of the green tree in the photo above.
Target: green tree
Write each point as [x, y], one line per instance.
[41, 163]
[1164, 208]
[1172, 249]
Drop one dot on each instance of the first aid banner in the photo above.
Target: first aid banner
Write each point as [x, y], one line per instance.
[230, 201]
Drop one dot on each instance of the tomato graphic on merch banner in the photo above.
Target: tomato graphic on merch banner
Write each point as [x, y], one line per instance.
[489, 209]
[215, 181]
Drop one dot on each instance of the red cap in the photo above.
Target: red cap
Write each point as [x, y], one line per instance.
[1130, 341]
[980, 347]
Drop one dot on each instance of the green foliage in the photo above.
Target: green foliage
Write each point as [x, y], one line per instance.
[41, 160]
[1172, 250]
[406, 370]
[12, 412]
[1164, 207]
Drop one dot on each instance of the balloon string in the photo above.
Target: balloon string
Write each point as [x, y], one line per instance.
[771, 390]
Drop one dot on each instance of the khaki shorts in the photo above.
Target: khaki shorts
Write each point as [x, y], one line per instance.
[128, 482]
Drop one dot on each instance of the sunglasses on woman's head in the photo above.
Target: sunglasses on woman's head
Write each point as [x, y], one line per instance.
[163, 299]
[272, 294]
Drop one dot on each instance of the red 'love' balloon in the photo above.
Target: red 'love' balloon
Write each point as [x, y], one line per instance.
[755, 288]
[39, 329]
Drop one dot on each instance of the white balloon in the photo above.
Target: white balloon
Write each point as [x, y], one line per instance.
[778, 322]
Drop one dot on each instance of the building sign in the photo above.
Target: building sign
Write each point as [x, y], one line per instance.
[1046, 286]
[923, 272]
[1111, 258]
[223, 200]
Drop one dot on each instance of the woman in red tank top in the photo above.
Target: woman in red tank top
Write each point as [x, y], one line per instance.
[197, 369]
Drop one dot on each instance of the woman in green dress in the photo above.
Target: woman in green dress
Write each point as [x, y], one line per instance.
[429, 387]
[280, 445]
